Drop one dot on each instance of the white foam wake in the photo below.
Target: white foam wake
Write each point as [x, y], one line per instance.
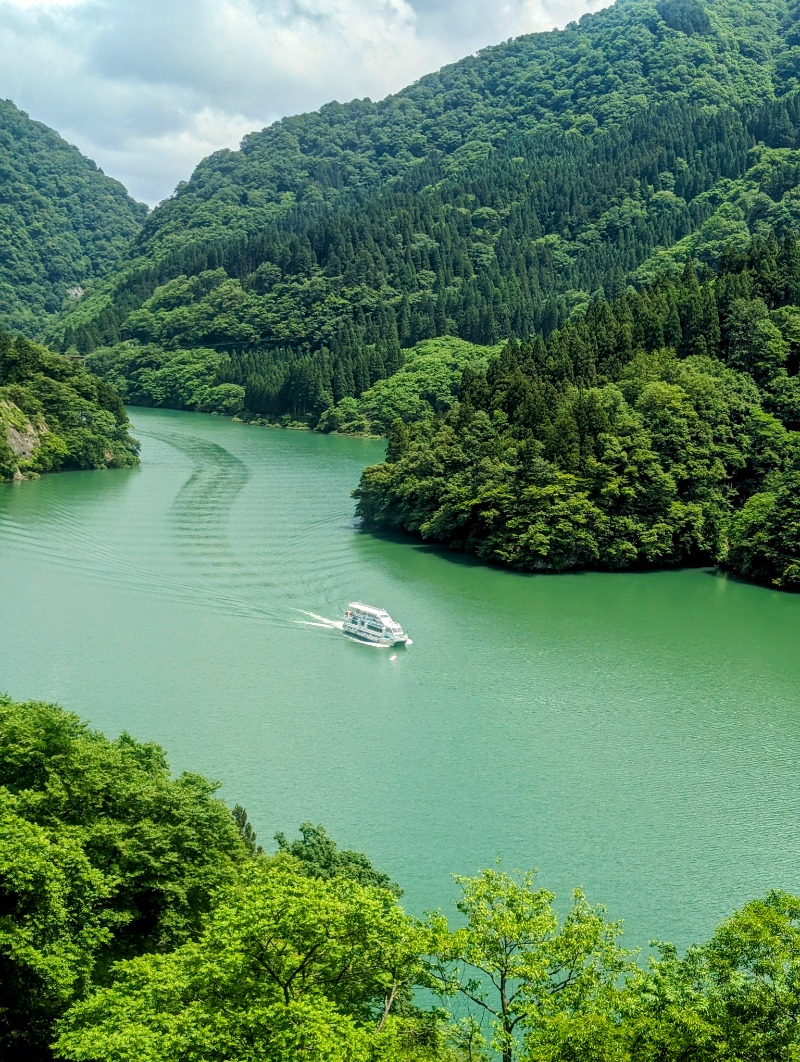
[319, 621]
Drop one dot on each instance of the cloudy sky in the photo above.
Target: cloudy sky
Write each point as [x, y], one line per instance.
[149, 87]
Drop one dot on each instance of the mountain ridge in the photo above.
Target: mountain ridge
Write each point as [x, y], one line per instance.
[63, 222]
[271, 214]
[445, 110]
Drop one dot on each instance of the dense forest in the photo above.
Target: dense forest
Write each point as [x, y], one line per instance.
[56, 416]
[661, 428]
[496, 198]
[142, 920]
[63, 223]
[206, 381]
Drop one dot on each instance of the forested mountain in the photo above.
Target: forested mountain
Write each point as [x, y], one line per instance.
[62, 221]
[495, 198]
[142, 921]
[593, 74]
[55, 416]
[651, 432]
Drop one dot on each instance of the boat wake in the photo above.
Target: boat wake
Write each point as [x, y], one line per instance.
[331, 625]
[325, 623]
[319, 621]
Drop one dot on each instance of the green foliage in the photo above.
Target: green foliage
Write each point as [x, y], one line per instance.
[62, 221]
[53, 924]
[427, 383]
[733, 998]
[601, 447]
[688, 16]
[290, 966]
[177, 379]
[104, 856]
[535, 975]
[765, 534]
[496, 198]
[55, 416]
[319, 856]
[246, 831]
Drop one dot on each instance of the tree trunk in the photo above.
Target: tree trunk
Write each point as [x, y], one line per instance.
[508, 1025]
[388, 1006]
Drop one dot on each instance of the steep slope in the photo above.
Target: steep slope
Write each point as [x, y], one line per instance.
[496, 197]
[62, 221]
[55, 416]
[596, 73]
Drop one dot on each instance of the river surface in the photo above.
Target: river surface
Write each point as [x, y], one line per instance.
[638, 735]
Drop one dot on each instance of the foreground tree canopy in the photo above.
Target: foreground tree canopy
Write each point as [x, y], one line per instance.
[140, 920]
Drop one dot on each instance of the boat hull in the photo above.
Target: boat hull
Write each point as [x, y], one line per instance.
[373, 638]
[373, 625]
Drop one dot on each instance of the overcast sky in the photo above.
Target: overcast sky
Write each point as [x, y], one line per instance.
[147, 88]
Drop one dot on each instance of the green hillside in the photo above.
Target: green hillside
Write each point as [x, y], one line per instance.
[62, 221]
[662, 428]
[596, 73]
[55, 416]
[497, 197]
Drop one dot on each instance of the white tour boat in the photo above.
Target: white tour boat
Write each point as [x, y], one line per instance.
[373, 625]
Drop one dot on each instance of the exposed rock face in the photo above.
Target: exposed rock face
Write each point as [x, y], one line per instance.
[18, 434]
[24, 442]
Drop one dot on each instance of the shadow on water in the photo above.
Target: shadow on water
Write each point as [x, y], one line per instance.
[725, 576]
[400, 538]
[468, 560]
[453, 555]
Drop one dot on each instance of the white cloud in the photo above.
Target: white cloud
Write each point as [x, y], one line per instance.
[148, 89]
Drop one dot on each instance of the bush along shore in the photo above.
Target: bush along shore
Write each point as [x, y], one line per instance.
[56, 416]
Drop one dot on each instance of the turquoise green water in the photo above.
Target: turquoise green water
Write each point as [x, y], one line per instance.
[635, 734]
